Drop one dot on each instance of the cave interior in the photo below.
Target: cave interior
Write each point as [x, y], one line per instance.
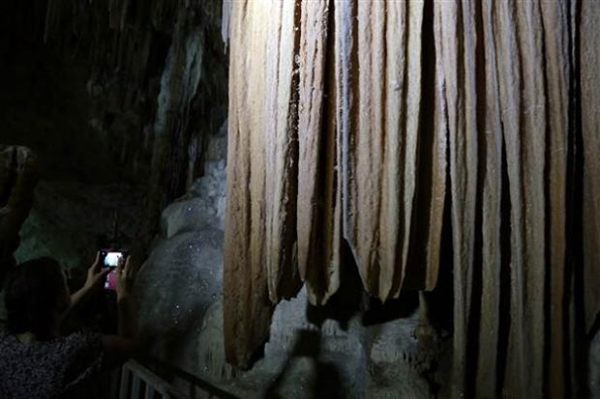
[357, 199]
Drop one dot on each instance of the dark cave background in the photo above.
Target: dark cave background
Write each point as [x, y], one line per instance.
[118, 99]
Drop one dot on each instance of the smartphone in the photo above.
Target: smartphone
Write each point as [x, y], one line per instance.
[110, 260]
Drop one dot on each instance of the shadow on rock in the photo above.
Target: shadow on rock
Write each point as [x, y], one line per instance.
[324, 378]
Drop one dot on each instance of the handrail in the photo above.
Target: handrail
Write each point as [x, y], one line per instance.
[153, 377]
[194, 381]
[134, 374]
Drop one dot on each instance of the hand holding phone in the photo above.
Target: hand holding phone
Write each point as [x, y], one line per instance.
[110, 260]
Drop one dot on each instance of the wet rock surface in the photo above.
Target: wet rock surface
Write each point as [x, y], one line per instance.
[181, 313]
[178, 284]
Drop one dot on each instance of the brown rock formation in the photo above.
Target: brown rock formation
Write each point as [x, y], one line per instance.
[261, 218]
[590, 100]
[404, 106]
[319, 196]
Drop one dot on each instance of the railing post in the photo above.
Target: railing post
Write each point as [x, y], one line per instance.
[135, 386]
[125, 373]
[149, 392]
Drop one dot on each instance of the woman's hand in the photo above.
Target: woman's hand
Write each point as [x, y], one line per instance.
[125, 276]
[95, 274]
[95, 278]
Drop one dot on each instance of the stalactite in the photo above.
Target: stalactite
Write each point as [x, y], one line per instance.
[366, 151]
[406, 108]
[345, 105]
[381, 163]
[527, 336]
[319, 204]
[457, 31]
[558, 71]
[590, 110]
[260, 267]
[225, 21]
[422, 266]
[510, 101]
[247, 310]
[491, 251]
[280, 164]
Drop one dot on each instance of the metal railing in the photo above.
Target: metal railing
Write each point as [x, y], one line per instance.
[139, 382]
[135, 381]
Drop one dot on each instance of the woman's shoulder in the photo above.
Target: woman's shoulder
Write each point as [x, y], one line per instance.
[83, 340]
[3, 336]
[84, 357]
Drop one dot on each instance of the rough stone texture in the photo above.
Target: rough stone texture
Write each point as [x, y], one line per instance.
[18, 177]
[525, 114]
[178, 283]
[512, 99]
[558, 87]
[247, 309]
[146, 63]
[307, 360]
[589, 85]
[382, 157]
[459, 77]
[69, 220]
[304, 360]
[431, 170]
[203, 206]
[278, 132]
[501, 156]
[593, 374]
[491, 218]
[590, 103]
[179, 287]
[319, 194]
[398, 362]
[260, 243]
[135, 87]
[179, 293]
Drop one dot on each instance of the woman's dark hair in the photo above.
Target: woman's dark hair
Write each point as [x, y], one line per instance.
[32, 293]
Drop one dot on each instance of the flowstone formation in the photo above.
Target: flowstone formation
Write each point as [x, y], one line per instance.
[308, 354]
[182, 278]
[380, 125]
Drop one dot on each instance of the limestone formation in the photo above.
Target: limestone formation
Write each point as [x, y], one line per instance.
[18, 177]
[157, 85]
[558, 88]
[491, 261]
[260, 239]
[479, 118]
[589, 42]
[319, 185]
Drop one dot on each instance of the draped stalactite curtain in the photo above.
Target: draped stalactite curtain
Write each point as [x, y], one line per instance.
[369, 121]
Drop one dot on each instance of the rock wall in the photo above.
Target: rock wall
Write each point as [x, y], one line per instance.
[18, 178]
[311, 352]
[115, 92]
